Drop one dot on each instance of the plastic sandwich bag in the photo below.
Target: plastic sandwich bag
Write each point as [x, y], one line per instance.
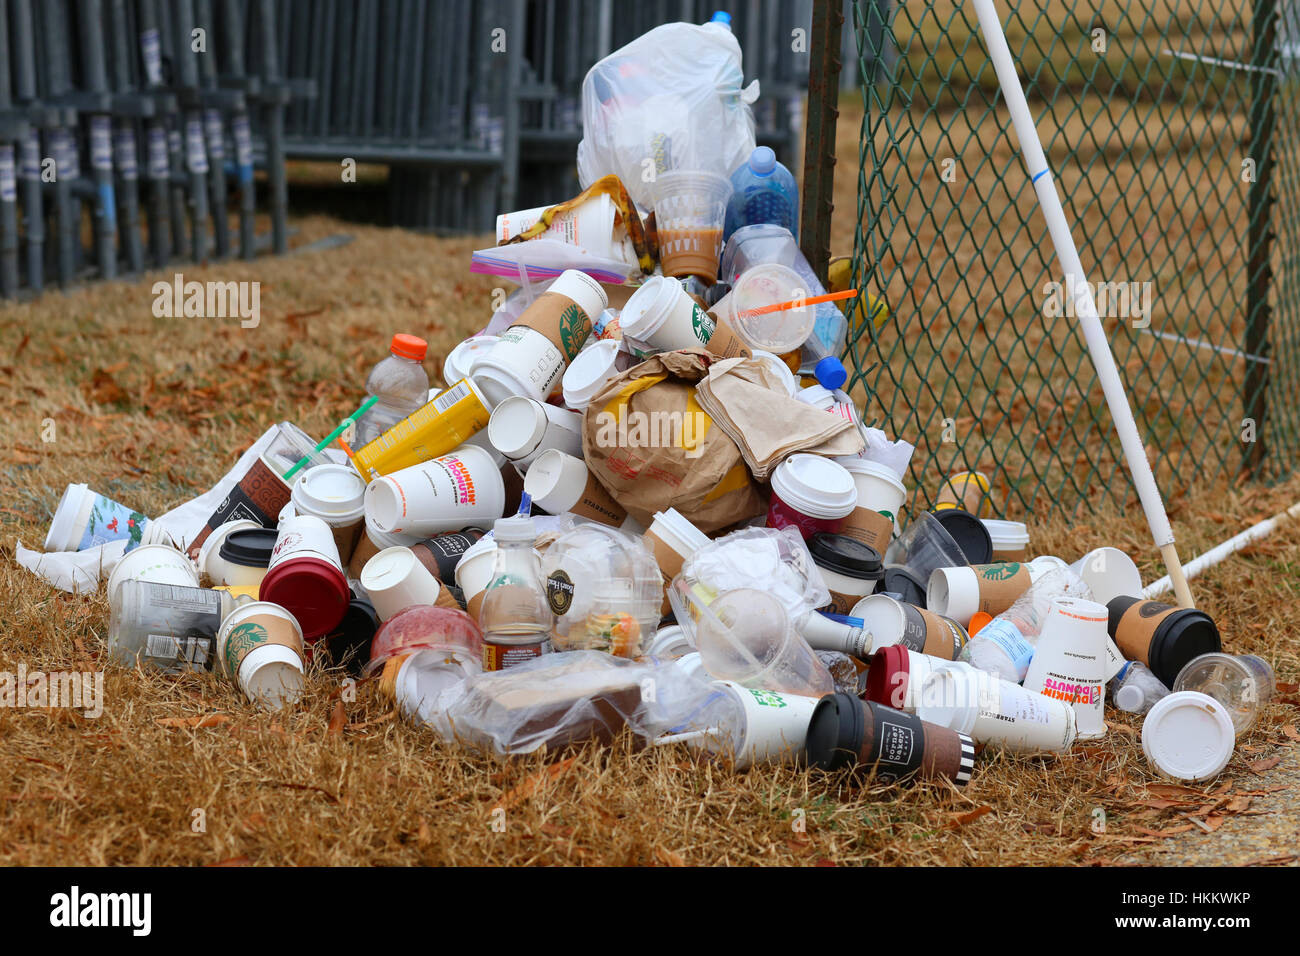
[671, 99]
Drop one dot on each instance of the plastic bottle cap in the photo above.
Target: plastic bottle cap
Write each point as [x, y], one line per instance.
[409, 346]
[723, 17]
[980, 619]
[1129, 698]
[517, 528]
[830, 372]
[762, 160]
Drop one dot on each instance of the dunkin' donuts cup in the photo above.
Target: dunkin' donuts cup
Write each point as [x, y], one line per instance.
[521, 429]
[995, 711]
[771, 727]
[1163, 637]
[395, 580]
[336, 495]
[85, 519]
[662, 317]
[891, 622]
[306, 577]
[455, 491]
[260, 648]
[1109, 572]
[1010, 540]
[846, 731]
[880, 495]
[153, 562]
[690, 209]
[558, 483]
[474, 571]
[1069, 662]
[896, 675]
[968, 490]
[531, 355]
[811, 493]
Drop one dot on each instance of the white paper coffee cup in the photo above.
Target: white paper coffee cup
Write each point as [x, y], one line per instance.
[448, 493]
[156, 563]
[522, 428]
[558, 483]
[259, 647]
[1069, 662]
[474, 571]
[775, 725]
[995, 711]
[395, 580]
[661, 317]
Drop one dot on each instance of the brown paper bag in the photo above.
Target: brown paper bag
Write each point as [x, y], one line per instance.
[647, 440]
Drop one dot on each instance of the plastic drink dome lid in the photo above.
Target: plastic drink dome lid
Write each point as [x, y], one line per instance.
[1188, 736]
[409, 346]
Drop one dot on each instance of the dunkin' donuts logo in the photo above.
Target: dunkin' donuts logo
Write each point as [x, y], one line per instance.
[702, 324]
[1072, 693]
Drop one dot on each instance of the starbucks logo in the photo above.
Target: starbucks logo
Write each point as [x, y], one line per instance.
[573, 330]
[242, 639]
[702, 324]
[559, 593]
[1000, 572]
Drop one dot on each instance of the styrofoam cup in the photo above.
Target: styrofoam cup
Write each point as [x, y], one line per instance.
[1109, 572]
[156, 563]
[1069, 662]
[395, 580]
[448, 493]
[522, 428]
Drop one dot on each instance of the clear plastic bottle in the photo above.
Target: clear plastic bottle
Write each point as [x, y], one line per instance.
[516, 615]
[1135, 689]
[1005, 645]
[763, 191]
[401, 383]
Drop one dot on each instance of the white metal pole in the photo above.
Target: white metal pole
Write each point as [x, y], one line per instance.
[1221, 551]
[1031, 151]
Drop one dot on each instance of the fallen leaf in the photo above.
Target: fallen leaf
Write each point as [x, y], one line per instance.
[1291, 732]
[1259, 766]
[206, 720]
[231, 861]
[102, 389]
[254, 821]
[530, 784]
[668, 857]
[1172, 831]
[961, 819]
[1283, 688]
[1273, 860]
[1238, 804]
[423, 835]
[338, 719]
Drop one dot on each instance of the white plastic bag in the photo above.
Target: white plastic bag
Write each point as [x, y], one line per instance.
[670, 99]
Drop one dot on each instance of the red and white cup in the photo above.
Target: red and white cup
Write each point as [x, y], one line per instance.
[306, 577]
[811, 493]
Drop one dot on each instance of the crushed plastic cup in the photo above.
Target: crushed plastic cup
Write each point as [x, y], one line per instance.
[690, 209]
[746, 636]
[923, 547]
[1242, 683]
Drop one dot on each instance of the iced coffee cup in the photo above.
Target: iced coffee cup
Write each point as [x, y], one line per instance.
[690, 208]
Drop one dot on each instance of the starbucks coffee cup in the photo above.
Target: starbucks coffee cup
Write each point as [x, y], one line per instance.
[773, 726]
[810, 493]
[521, 429]
[1188, 736]
[880, 496]
[1109, 572]
[153, 562]
[473, 573]
[1163, 637]
[395, 580]
[662, 317]
[306, 577]
[1010, 539]
[891, 622]
[995, 711]
[560, 483]
[588, 373]
[895, 677]
[992, 588]
[209, 553]
[846, 731]
[455, 491]
[531, 355]
[259, 647]
[84, 519]
[1069, 662]
[336, 495]
[460, 361]
[850, 569]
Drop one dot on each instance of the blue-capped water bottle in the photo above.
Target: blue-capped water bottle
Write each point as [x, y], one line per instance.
[763, 191]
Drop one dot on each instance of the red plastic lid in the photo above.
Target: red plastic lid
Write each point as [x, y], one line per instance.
[409, 346]
[312, 590]
[888, 675]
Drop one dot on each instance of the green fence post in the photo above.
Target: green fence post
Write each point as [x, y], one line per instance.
[819, 141]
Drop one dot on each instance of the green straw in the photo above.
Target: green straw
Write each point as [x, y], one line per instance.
[343, 426]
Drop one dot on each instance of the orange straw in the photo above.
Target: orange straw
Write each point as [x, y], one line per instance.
[800, 303]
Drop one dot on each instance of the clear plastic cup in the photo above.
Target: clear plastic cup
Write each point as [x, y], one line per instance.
[690, 208]
[924, 547]
[746, 636]
[1242, 683]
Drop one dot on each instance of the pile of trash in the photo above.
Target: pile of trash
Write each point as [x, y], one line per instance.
[644, 501]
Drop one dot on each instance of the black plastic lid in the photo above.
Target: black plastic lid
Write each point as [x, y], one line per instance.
[847, 556]
[1180, 639]
[835, 732]
[902, 582]
[969, 533]
[250, 547]
[349, 642]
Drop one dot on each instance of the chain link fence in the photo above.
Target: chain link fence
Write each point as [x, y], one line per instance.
[1162, 121]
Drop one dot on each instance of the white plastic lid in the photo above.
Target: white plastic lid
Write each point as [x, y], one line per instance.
[517, 426]
[588, 373]
[1129, 698]
[333, 490]
[770, 283]
[815, 486]
[460, 360]
[1188, 736]
[1006, 532]
[649, 307]
[865, 466]
[514, 529]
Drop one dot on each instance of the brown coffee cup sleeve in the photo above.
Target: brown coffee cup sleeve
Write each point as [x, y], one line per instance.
[1138, 626]
[870, 527]
[550, 315]
[1000, 585]
[597, 504]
